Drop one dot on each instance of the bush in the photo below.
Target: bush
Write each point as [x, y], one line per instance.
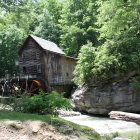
[44, 103]
[114, 58]
[85, 64]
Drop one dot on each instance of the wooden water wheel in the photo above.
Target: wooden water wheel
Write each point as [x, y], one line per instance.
[32, 86]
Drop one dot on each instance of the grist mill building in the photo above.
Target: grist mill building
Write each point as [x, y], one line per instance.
[46, 62]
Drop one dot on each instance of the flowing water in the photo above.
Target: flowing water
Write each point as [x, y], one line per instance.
[106, 126]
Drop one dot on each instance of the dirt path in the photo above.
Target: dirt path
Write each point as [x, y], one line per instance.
[28, 130]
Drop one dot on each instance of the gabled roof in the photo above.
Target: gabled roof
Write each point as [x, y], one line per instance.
[47, 45]
[44, 44]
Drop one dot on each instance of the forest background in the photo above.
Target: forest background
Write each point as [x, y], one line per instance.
[103, 34]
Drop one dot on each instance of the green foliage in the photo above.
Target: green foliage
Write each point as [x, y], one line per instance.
[117, 17]
[119, 29]
[77, 25]
[85, 63]
[112, 26]
[135, 83]
[9, 48]
[43, 103]
[15, 25]
[11, 4]
[47, 28]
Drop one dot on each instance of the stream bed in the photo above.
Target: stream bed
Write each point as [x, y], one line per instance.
[106, 126]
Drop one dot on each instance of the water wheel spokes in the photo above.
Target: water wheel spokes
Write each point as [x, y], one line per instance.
[32, 86]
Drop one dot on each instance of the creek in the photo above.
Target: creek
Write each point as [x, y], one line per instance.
[106, 126]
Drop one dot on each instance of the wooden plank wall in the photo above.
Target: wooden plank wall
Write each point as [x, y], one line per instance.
[58, 69]
[32, 59]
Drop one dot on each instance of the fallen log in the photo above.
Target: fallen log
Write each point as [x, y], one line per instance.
[119, 115]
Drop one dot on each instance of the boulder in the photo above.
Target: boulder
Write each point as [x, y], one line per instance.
[67, 113]
[108, 97]
[119, 115]
[120, 138]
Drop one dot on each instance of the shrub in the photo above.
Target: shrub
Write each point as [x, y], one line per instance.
[114, 58]
[85, 64]
[44, 103]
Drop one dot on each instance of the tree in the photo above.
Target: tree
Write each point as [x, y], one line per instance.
[119, 28]
[48, 21]
[119, 21]
[117, 17]
[11, 38]
[85, 64]
[15, 24]
[11, 5]
[77, 25]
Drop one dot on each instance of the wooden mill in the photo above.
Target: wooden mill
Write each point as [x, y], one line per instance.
[45, 66]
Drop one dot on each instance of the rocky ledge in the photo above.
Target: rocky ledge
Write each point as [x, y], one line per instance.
[108, 97]
[119, 115]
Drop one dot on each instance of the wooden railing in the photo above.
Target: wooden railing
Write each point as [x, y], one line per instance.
[19, 77]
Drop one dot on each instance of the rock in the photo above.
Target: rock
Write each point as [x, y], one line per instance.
[120, 138]
[15, 125]
[36, 126]
[3, 106]
[119, 115]
[106, 98]
[64, 113]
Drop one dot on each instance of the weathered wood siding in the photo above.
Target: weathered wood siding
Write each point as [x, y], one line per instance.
[58, 68]
[31, 59]
[68, 65]
[53, 68]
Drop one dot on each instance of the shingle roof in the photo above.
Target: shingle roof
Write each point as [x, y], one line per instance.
[47, 45]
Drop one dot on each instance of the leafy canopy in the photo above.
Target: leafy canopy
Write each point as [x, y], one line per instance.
[111, 28]
[119, 27]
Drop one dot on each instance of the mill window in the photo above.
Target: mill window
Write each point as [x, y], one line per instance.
[24, 70]
[67, 74]
[38, 68]
[37, 56]
[23, 56]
